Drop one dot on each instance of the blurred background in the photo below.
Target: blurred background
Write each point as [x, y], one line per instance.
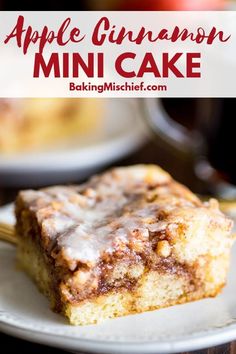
[148, 5]
[47, 141]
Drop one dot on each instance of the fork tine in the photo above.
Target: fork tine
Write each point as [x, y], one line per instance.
[11, 239]
[7, 233]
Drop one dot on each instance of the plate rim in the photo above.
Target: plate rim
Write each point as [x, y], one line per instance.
[202, 339]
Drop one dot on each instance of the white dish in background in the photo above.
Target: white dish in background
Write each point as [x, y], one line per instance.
[25, 313]
[122, 132]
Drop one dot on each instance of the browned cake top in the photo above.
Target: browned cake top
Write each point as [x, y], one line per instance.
[122, 210]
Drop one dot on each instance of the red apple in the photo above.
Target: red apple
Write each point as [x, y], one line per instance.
[165, 5]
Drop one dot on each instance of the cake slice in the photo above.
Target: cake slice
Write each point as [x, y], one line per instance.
[29, 124]
[127, 241]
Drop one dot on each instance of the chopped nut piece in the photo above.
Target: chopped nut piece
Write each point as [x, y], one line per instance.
[90, 193]
[81, 277]
[163, 248]
[56, 205]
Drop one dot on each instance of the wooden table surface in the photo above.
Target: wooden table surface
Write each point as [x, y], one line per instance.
[148, 154]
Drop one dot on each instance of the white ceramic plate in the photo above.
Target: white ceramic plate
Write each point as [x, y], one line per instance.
[122, 131]
[25, 313]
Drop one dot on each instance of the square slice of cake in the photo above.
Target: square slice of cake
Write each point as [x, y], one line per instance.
[38, 124]
[127, 241]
